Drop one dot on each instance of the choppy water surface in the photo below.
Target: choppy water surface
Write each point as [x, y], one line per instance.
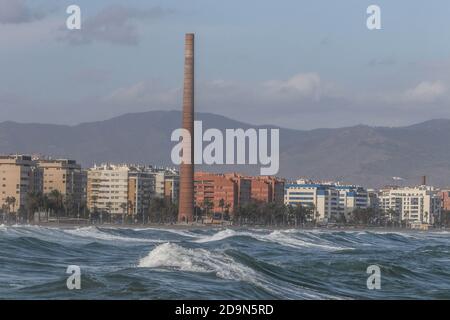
[134, 263]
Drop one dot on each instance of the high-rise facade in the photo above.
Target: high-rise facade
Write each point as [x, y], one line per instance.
[216, 192]
[226, 192]
[64, 176]
[167, 184]
[445, 199]
[329, 200]
[266, 189]
[120, 189]
[18, 177]
[421, 204]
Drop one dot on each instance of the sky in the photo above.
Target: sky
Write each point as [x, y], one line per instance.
[292, 63]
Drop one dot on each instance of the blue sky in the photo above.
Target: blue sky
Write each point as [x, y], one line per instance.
[299, 64]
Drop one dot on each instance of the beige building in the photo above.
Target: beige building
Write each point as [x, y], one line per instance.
[118, 189]
[65, 176]
[167, 184]
[18, 177]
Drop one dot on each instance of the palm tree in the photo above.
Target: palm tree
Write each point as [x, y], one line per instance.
[131, 210]
[34, 203]
[207, 205]
[68, 204]
[5, 208]
[227, 210]
[221, 205]
[11, 201]
[124, 207]
[56, 201]
[109, 208]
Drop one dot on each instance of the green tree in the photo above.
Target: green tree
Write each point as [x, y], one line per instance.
[221, 205]
[124, 207]
[109, 206]
[11, 203]
[207, 207]
[35, 202]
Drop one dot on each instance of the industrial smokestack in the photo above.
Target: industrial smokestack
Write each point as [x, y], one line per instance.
[186, 201]
[424, 180]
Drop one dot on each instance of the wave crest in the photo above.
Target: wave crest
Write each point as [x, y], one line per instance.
[175, 256]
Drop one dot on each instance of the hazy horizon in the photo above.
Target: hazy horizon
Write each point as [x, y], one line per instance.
[231, 118]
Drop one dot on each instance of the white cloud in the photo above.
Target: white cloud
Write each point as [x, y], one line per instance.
[302, 85]
[426, 91]
[17, 11]
[144, 93]
[24, 35]
[114, 24]
[303, 100]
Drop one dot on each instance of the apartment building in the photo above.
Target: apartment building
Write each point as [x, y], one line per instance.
[65, 176]
[213, 188]
[120, 189]
[265, 189]
[445, 199]
[329, 200]
[18, 177]
[171, 185]
[421, 204]
[244, 187]
[235, 190]
[167, 183]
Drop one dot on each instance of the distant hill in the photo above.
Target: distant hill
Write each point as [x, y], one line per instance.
[365, 155]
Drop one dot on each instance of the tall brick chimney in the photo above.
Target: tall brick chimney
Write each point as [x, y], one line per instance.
[186, 200]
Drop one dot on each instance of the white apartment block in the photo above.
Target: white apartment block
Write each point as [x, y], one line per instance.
[120, 189]
[420, 204]
[328, 199]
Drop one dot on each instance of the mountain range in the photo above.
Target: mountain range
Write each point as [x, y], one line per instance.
[365, 155]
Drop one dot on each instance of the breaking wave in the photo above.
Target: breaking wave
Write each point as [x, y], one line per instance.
[95, 233]
[197, 260]
[136, 262]
[284, 238]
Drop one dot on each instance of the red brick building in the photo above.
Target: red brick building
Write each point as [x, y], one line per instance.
[267, 189]
[445, 199]
[235, 190]
[211, 188]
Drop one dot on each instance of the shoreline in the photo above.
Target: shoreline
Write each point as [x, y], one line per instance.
[218, 226]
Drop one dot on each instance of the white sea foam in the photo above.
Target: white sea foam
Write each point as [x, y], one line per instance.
[290, 241]
[174, 256]
[183, 233]
[221, 235]
[180, 232]
[93, 232]
[197, 260]
[280, 237]
[406, 234]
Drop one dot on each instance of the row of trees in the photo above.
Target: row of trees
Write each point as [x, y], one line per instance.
[58, 206]
[164, 211]
[274, 214]
[53, 203]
